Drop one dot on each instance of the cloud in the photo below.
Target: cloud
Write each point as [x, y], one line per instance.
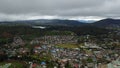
[70, 9]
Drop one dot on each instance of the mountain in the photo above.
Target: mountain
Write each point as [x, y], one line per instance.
[80, 28]
[53, 22]
[105, 23]
[108, 23]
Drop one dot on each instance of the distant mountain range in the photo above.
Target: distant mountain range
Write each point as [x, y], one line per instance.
[53, 22]
[105, 23]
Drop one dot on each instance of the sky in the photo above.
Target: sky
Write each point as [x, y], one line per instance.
[59, 9]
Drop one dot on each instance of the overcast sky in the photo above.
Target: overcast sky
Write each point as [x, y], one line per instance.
[62, 9]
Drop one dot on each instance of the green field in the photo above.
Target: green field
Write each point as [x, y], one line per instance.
[14, 64]
[67, 45]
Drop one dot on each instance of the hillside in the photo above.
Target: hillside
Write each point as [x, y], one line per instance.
[108, 23]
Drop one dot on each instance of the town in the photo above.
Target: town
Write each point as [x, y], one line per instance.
[59, 33]
[61, 51]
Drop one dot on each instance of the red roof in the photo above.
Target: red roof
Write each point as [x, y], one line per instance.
[34, 65]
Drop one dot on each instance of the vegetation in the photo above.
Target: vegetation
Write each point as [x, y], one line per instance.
[14, 64]
[67, 45]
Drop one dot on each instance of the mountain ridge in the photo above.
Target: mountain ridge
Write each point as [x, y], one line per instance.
[108, 23]
[104, 23]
